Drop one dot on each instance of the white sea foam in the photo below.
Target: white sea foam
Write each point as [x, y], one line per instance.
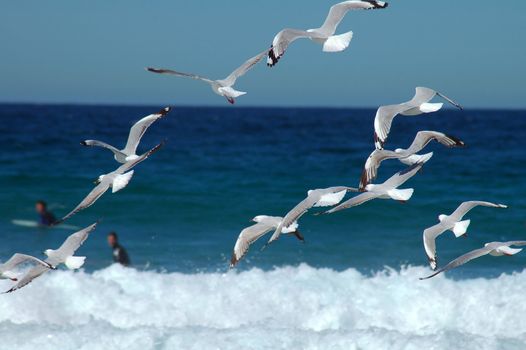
[287, 308]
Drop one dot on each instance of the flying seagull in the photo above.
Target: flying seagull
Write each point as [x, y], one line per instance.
[117, 180]
[493, 248]
[387, 190]
[407, 156]
[419, 104]
[322, 197]
[136, 132]
[323, 35]
[63, 255]
[451, 222]
[222, 87]
[6, 269]
[249, 235]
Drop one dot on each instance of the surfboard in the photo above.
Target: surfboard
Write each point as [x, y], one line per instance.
[34, 224]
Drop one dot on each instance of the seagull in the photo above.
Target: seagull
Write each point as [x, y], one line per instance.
[18, 259]
[222, 87]
[264, 224]
[493, 248]
[117, 180]
[323, 35]
[451, 222]
[387, 190]
[136, 132]
[321, 197]
[63, 255]
[407, 156]
[419, 104]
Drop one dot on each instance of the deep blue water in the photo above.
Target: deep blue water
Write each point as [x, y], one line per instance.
[220, 167]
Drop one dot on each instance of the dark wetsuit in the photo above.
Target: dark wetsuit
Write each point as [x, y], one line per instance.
[47, 219]
[120, 255]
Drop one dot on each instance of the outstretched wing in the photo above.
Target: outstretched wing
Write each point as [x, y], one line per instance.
[294, 215]
[248, 236]
[35, 272]
[139, 128]
[338, 12]
[18, 259]
[461, 260]
[372, 164]
[132, 163]
[423, 138]
[465, 207]
[357, 200]
[245, 67]
[385, 114]
[74, 241]
[179, 74]
[88, 201]
[281, 42]
[401, 177]
[429, 236]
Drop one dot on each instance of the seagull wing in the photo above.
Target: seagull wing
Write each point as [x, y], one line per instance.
[372, 164]
[248, 236]
[338, 12]
[357, 200]
[18, 259]
[465, 207]
[461, 260]
[385, 114]
[74, 241]
[35, 272]
[423, 138]
[430, 235]
[91, 198]
[401, 177]
[132, 163]
[281, 42]
[139, 128]
[245, 67]
[179, 74]
[296, 213]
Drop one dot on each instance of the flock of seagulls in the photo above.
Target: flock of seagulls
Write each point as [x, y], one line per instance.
[326, 197]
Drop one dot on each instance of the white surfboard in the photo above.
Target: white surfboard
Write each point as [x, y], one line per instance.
[35, 224]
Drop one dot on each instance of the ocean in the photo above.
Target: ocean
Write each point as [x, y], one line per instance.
[352, 285]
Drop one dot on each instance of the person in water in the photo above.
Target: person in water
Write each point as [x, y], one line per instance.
[119, 253]
[46, 218]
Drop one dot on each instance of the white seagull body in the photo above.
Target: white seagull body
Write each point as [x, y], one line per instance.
[323, 35]
[387, 190]
[6, 269]
[129, 152]
[322, 197]
[117, 180]
[249, 235]
[63, 255]
[417, 105]
[223, 87]
[407, 156]
[493, 248]
[451, 222]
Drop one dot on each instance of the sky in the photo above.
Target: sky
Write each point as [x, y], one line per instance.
[95, 52]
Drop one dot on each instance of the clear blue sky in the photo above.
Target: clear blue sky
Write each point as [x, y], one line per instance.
[96, 51]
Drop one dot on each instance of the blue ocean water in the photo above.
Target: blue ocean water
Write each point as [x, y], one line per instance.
[356, 277]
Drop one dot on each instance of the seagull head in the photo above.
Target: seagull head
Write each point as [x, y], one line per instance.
[398, 150]
[99, 180]
[369, 187]
[259, 218]
[442, 217]
[47, 252]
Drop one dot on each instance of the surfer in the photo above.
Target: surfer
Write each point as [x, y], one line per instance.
[46, 217]
[119, 253]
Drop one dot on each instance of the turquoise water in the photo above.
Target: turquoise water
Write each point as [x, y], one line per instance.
[186, 205]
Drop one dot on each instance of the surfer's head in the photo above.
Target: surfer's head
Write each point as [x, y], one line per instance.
[41, 206]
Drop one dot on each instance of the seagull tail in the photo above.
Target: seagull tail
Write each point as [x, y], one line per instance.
[337, 43]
